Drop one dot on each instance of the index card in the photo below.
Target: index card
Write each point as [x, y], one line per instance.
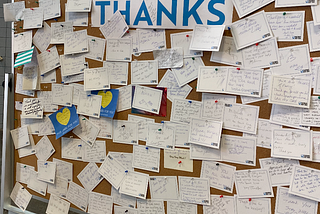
[113, 171]
[90, 105]
[220, 205]
[48, 60]
[161, 135]
[13, 11]
[32, 123]
[242, 118]
[213, 105]
[123, 200]
[239, 150]
[45, 98]
[294, 3]
[58, 29]
[288, 203]
[20, 137]
[76, 42]
[290, 91]
[124, 99]
[100, 203]
[90, 177]
[150, 206]
[18, 105]
[125, 132]
[206, 38]
[304, 183]
[205, 132]
[149, 40]
[204, 153]
[146, 158]
[27, 150]
[280, 170]
[105, 125]
[57, 205]
[315, 14]
[194, 190]
[147, 99]
[42, 37]
[72, 64]
[142, 125]
[247, 82]
[189, 71]
[51, 8]
[144, 72]
[255, 183]
[287, 26]
[124, 158]
[64, 169]
[78, 6]
[316, 146]
[254, 206]
[181, 134]
[62, 94]
[78, 91]
[96, 153]
[71, 148]
[96, 79]
[86, 131]
[287, 116]
[118, 72]
[313, 32]
[78, 196]
[261, 55]
[46, 171]
[49, 77]
[32, 18]
[251, 30]
[46, 127]
[183, 110]
[133, 34]
[169, 58]
[23, 172]
[72, 78]
[294, 60]
[32, 108]
[96, 48]
[31, 78]
[59, 188]
[44, 149]
[115, 27]
[164, 188]
[183, 40]
[37, 185]
[170, 82]
[120, 210]
[22, 41]
[176, 207]
[119, 50]
[221, 176]
[245, 8]
[264, 133]
[178, 159]
[310, 117]
[19, 90]
[292, 144]
[20, 196]
[228, 53]
[135, 184]
[78, 18]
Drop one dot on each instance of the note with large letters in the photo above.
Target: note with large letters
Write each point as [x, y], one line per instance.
[32, 108]
[194, 190]
[254, 206]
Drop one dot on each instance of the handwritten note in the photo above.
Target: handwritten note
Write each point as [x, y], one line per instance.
[183, 110]
[86, 131]
[36, 185]
[22, 41]
[13, 11]
[96, 79]
[239, 150]
[144, 72]
[183, 40]
[64, 169]
[246, 7]
[194, 190]
[90, 177]
[59, 188]
[62, 94]
[125, 132]
[72, 64]
[20, 196]
[252, 30]
[315, 14]
[78, 6]
[293, 3]
[316, 146]
[100, 203]
[78, 18]
[220, 205]
[44, 149]
[31, 78]
[58, 29]
[146, 158]
[76, 42]
[118, 72]
[105, 125]
[178, 159]
[181, 134]
[150, 206]
[174, 207]
[48, 60]
[124, 99]
[46, 171]
[313, 32]
[71, 148]
[120, 210]
[204, 153]
[287, 26]
[292, 144]
[115, 27]
[142, 125]
[20, 137]
[255, 206]
[32, 18]
[96, 48]
[207, 38]
[45, 98]
[119, 50]
[150, 40]
[32, 108]
[51, 8]
[78, 196]
[221, 176]
[280, 170]
[161, 135]
[19, 89]
[96, 153]
[49, 77]
[169, 58]
[164, 188]
[125, 201]
[135, 184]
[57, 205]
[42, 37]
[147, 99]
[23, 173]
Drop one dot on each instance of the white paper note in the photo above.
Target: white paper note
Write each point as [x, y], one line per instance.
[183, 110]
[207, 38]
[90, 177]
[164, 188]
[76, 42]
[135, 184]
[125, 132]
[42, 37]
[20, 196]
[57, 205]
[32, 18]
[105, 125]
[119, 50]
[246, 7]
[204, 153]
[183, 40]
[115, 27]
[254, 206]
[78, 196]
[149, 40]
[90, 105]
[169, 58]
[144, 72]
[62, 94]
[44, 149]
[194, 190]
[178, 159]
[86, 131]
[48, 60]
[96, 79]
[58, 29]
[175, 207]
[46, 171]
[161, 135]
[118, 72]
[142, 125]
[100, 203]
[146, 158]
[147, 99]
[220, 205]
[23, 173]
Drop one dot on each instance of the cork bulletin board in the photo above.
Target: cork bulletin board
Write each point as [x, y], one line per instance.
[104, 187]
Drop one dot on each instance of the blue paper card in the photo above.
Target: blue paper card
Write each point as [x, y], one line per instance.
[64, 120]
[109, 102]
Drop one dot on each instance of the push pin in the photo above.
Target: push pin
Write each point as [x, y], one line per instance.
[45, 163]
[154, 30]
[216, 101]
[179, 162]
[20, 27]
[31, 9]
[79, 145]
[55, 20]
[61, 25]
[25, 166]
[221, 196]
[319, 97]
[238, 69]
[229, 28]
[250, 199]
[49, 51]
[311, 60]
[84, 119]
[159, 130]
[123, 126]
[192, 58]
[93, 40]
[19, 68]
[216, 69]
[126, 171]
[187, 35]
[190, 101]
[257, 44]
[284, 13]
[217, 164]
[147, 148]
[37, 2]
